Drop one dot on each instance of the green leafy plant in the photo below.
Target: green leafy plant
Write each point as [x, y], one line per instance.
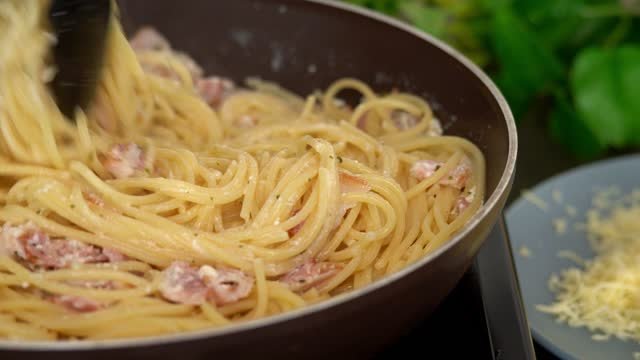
[580, 56]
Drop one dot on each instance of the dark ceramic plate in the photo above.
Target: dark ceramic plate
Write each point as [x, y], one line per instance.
[530, 227]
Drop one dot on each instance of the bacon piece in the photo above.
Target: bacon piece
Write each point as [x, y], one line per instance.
[214, 90]
[310, 274]
[10, 245]
[349, 184]
[114, 256]
[60, 253]
[456, 178]
[34, 246]
[404, 120]
[76, 303]
[226, 285]
[462, 203]
[352, 183]
[93, 199]
[424, 169]
[294, 230]
[30, 244]
[148, 38]
[79, 303]
[184, 284]
[124, 160]
[436, 128]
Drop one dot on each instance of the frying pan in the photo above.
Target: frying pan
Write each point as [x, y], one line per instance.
[304, 46]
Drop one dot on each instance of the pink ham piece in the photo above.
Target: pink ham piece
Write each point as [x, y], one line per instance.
[294, 230]
[462, 203]
[424, 169]
[349, 184]
[226, 285]
[114, 256]
[30, 244]
[124, 160]
[435, 129]
[214, 90]
[148, 38]
[184, 284]
[76, 303]
[94, 199]
[404, 120]
[352, 184]
[456, 178]
[310, 274]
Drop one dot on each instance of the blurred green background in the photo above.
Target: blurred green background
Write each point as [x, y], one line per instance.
[581, 57]
[570, 70]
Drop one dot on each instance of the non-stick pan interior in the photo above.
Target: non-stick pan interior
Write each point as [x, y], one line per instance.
[304, 46]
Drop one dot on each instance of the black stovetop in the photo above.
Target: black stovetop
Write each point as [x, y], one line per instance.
[485, 311]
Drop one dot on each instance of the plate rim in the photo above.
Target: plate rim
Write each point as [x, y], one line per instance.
[538, 335]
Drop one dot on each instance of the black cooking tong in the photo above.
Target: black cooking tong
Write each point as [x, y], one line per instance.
[81, 28]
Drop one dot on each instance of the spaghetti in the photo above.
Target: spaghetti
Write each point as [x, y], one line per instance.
[182, 202]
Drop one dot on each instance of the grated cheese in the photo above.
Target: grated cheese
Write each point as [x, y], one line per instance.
[570, 255]
[556, 195]
[525, 252]
[603, 294]
[535, 200]
[560, 226]
[571, 210]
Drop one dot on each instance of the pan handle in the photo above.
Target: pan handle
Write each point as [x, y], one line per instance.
[502, 301]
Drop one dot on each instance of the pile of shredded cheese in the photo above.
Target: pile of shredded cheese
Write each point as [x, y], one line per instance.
[603, 294]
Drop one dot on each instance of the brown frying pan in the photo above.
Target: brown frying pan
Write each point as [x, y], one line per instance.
[305, 45]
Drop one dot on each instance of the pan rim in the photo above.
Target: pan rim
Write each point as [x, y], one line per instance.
[502, 186]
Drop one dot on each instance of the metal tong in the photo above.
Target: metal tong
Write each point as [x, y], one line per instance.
[81, 28]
